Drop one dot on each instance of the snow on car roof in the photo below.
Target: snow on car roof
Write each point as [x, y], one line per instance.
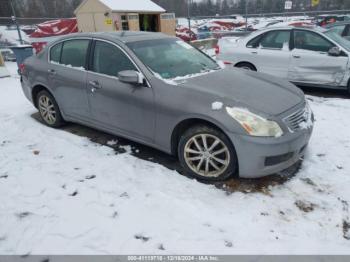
[133, 6]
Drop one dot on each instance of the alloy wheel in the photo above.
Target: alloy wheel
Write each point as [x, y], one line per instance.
[207, 155]
[47, 110]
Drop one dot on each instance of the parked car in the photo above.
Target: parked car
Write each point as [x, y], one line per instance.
[341, 28]
[323, 20]
[8, 55]
[162, 92]
[304, 56]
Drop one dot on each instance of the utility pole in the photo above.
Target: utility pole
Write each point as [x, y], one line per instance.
[246, 15]
[14, 19]
[189, 17]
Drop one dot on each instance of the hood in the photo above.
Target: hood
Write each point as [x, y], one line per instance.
[253, 90]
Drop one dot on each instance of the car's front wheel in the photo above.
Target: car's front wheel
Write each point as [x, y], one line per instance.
[207, 154]
[48, 109]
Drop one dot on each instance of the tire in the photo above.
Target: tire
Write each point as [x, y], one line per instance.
[49, 110]
[247, 66]
[201, 163]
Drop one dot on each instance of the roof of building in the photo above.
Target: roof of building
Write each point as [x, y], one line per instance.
[133, 6]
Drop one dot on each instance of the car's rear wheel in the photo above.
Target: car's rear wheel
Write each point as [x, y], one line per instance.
[48, 109]
[207, 154]
[246, 66]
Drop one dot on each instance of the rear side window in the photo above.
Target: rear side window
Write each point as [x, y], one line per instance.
[275, 39]
[55, 53]
[110, 60]
[74, 53]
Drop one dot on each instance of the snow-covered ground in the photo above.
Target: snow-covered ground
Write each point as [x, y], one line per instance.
[63, 194]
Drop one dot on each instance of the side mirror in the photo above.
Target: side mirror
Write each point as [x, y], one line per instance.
[131, 77]
[334, 51]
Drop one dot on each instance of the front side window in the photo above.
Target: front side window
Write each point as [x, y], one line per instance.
[254, 43]
[110, 60]
[338, 29]
[74, 53]
[55, 53]
[311, 41]
[275, 39]
[342, 41]
[171, 58]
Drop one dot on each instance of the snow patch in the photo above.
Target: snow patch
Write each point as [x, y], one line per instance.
[181, 79]
[79, 197]
[217, 105]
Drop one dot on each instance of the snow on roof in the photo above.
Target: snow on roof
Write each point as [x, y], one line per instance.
[132, 5]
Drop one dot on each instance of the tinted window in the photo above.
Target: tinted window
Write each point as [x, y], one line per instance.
[55, 53]
[110, 60]
[311, 41]
[275, 39]
[74, 53]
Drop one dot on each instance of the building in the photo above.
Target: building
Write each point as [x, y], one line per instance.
[116, 15]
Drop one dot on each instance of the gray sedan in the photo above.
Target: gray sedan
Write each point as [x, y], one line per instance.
[162, 92]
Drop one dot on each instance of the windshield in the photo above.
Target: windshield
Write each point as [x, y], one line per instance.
[337, 38]
[171, 58]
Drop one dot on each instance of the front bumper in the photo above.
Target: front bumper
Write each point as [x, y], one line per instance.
[262, 156]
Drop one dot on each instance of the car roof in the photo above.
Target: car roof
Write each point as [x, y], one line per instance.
[315, 29]
[266, 29]
[122, 36]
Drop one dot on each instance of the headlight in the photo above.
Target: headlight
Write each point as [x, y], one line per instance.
[255, 125]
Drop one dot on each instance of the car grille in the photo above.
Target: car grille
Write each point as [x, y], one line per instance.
[295, 120]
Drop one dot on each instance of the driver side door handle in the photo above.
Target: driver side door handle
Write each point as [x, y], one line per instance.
[95, 84]
[296, 56]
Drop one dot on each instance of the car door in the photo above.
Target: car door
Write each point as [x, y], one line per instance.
[123, 108]
[311, 63]
[67, 77]
[270, 53]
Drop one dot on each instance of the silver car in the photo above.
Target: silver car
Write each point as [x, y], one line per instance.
[304, 56]
[162, 92]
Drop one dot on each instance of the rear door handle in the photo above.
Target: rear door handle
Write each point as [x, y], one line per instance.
[296, 56]
[95, 84]
[254, 52]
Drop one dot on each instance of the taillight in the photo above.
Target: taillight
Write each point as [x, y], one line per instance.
[217, 49]
[22, 68]
[227, 63]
